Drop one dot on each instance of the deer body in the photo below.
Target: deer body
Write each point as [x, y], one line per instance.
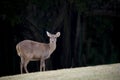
[29, 50]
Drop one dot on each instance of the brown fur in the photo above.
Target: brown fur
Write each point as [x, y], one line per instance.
[29, 50]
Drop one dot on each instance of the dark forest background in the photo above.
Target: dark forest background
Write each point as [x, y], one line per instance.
[89, 32]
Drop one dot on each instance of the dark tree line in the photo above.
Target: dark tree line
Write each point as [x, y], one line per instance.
[89, 32]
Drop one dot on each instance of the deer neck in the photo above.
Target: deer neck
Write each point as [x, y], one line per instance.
[52, 47]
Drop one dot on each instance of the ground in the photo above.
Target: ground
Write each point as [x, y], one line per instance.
[100, 72]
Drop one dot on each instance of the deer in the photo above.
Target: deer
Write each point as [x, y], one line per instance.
[29, 50]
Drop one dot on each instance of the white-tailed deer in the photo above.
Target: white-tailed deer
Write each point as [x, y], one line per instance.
[29, 50]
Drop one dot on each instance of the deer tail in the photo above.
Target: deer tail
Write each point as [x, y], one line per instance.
[18, 50]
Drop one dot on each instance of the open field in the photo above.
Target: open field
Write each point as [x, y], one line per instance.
[101, 72]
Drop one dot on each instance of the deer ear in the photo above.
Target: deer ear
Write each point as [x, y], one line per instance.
[48, 34]
[57, 34]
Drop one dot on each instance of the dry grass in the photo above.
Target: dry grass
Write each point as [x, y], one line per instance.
[102, 72]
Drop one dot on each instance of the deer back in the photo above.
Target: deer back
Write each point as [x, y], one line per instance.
[33, 50]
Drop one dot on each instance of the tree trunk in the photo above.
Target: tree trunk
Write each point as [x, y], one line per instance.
[67, 30]
[78, 43]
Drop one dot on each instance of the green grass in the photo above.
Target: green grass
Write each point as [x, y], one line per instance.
[101, 72]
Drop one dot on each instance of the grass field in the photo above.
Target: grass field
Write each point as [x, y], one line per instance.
[101, 72]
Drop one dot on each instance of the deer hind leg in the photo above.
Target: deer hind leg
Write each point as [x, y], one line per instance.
[25, 65]
[21, 65]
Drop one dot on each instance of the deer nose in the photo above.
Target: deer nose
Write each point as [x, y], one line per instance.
[52, 40]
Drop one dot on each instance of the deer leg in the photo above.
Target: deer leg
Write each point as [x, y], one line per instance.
[21, 65]
[25, 65]
[43, 65]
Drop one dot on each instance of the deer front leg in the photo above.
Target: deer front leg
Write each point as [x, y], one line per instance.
[42, 65]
